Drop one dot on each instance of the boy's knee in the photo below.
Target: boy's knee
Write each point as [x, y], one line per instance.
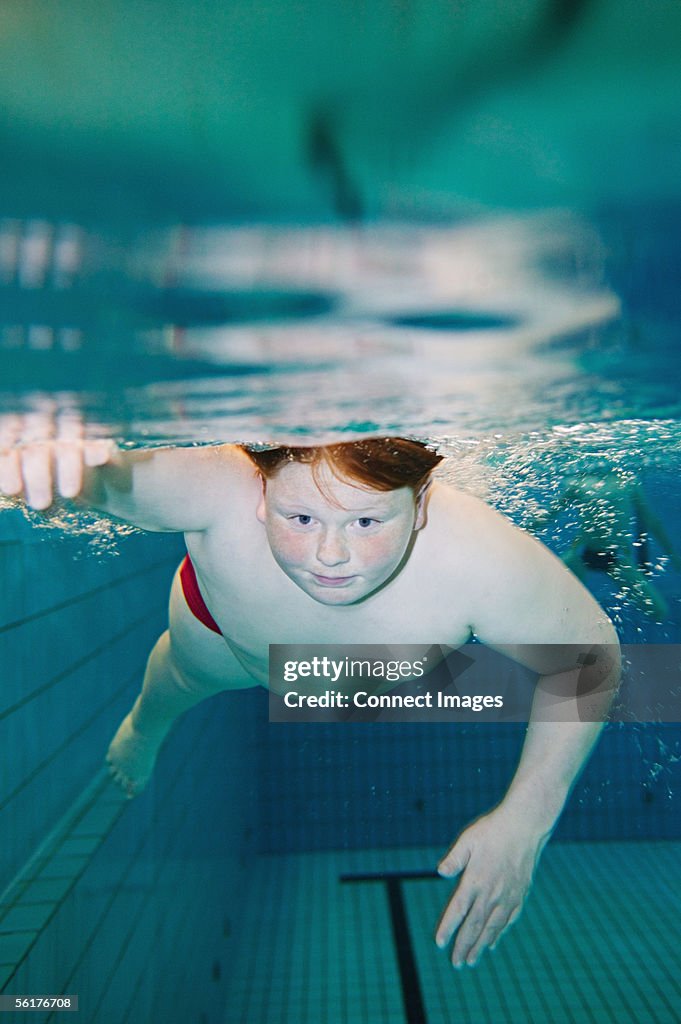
[189, 684]
[163, 663]
[190, 680]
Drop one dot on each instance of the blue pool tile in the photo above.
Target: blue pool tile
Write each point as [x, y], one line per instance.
[23, 918]
[6, 972]
[96, 822]
[77, 845]
[14, 946]
[47, 890]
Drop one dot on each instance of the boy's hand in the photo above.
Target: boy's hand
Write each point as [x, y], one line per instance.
[496, 857]
[42, 455]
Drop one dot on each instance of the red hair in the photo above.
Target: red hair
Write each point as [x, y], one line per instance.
[381, 463]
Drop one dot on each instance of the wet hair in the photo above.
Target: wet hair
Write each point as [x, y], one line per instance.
[380, 463]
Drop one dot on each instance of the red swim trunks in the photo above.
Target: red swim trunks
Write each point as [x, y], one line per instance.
[193, 596]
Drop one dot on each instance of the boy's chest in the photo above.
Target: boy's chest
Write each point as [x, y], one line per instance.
[254, 625]
[256, 605]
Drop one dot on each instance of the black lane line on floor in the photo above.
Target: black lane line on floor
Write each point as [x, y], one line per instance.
[412, 998]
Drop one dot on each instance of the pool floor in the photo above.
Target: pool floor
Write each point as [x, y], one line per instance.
[320, 942]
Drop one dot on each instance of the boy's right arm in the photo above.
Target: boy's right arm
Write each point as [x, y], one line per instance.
[165, 489]
[162, 489]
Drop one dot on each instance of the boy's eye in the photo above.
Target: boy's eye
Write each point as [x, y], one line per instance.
[303, 520]
[365, 521]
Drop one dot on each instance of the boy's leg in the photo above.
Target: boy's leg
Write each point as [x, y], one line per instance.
[187, 664]
[166, 694]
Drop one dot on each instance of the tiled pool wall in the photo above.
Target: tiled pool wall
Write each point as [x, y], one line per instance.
[118, 902]
[358, 786]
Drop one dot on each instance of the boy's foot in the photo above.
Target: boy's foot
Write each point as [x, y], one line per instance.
[131, 757]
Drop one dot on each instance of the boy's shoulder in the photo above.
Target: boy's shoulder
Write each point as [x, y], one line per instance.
[230, 464]
[471, 536]
[516, 589]
[234, 458]
[473, 519]
[222, 478]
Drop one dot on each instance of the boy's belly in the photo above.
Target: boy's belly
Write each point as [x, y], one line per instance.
[250, 635]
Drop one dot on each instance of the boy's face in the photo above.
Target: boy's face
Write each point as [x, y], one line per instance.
[341, 543]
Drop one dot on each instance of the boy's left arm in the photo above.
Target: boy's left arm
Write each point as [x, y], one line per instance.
[533, 609]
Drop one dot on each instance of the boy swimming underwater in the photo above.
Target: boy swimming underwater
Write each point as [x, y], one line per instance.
[348, 543]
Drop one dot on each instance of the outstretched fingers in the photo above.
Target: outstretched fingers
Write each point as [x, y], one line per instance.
[455, 860]
[36, 472]
[98, 453]
[495, 873]
[68, 455]
[44, 453]
[474, 925]
[494, 927]
[11, 482]
[25, 457]
[452, 864]
[457, 911]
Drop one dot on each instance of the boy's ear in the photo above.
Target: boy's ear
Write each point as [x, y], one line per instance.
[260, 510]
[420, 499]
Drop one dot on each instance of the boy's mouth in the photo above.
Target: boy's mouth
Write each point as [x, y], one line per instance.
[332, 581]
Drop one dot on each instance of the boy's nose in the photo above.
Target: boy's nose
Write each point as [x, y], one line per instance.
[332, 549]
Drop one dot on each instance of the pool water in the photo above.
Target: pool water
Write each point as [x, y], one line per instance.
[529, 349]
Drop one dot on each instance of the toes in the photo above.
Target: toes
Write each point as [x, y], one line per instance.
[126, 784]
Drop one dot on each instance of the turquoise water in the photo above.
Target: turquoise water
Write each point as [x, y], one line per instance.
[228, 224]
[523, 345]
[532, 349]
